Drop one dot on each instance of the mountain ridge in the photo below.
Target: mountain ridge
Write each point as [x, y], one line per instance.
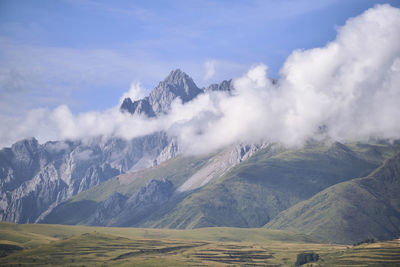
[147, 182]
[250, 194]
[352, 211]
[49, 174]
[177, 84]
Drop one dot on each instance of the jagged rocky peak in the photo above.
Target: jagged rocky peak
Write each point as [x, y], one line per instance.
[226, 86]
[176, 84]
[178, 77]
[141, 106]
[26, 154]
[29, 145]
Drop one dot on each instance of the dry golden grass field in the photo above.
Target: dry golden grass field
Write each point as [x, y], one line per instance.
[59, 245]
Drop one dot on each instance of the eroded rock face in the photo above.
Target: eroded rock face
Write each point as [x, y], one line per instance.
[155, 192]
[35, 178]
[118, 210]
[219, 164]
[107, 210]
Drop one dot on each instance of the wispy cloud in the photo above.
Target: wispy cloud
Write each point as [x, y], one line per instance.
[347, 90]
[51, 76]
[135, 92]
[46, 61]
[209, 67]
[37, 76]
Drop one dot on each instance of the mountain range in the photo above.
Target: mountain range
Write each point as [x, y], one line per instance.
[334, 192]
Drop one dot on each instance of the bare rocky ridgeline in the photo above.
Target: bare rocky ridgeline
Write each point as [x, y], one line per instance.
[119, 210]
[177, 84]
[35, 178]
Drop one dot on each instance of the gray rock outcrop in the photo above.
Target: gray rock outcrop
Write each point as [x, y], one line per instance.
[176, 85]
[118, 210]
[35, 178]
[107, 210]
[225, 86]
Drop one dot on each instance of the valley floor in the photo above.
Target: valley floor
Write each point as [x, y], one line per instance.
[59, 245]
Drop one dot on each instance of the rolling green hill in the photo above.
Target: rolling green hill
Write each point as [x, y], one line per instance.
[274, 179]
[32, 235]
[351, 211]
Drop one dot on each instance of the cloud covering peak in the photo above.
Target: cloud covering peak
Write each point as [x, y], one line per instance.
[347, 90]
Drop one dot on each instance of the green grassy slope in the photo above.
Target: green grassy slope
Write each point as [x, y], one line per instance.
[30, 235]
[57, 245]
[249, 195]
[79, 207]
[271, 181]
[351, 211]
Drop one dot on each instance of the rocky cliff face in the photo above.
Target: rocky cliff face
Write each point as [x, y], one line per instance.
[34, 178]
[108, 209]
[118, 210]
[220, 164]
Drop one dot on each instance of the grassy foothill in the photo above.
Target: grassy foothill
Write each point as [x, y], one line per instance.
[59, 245]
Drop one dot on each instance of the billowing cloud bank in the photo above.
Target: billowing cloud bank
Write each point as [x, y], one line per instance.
[347, 90]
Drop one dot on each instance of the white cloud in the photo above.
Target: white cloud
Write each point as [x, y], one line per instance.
[135, 92]
[52, 76]
[209, 66]
[56, 146]
[84, 155]
[350, 86]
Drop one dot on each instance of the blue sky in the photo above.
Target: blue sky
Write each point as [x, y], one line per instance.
[87, 53]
